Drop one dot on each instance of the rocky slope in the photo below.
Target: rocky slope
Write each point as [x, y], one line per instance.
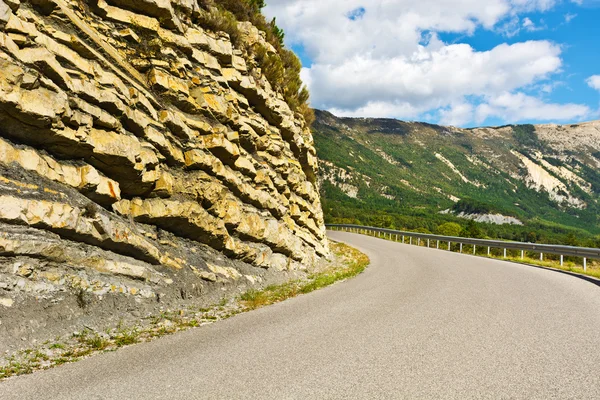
[546, 177]
[142, 159]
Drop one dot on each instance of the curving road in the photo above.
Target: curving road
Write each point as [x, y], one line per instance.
[418, 324]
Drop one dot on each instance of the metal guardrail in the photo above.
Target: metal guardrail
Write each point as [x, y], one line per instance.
[584, 252]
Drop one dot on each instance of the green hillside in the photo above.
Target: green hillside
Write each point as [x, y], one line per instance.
[418, 176]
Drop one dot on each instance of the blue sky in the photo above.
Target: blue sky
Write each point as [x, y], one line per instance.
[461, 62]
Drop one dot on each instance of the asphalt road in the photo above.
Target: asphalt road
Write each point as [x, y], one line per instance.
[418, 324]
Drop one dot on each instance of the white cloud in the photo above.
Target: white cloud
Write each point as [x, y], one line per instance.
[387, 59]
[431, 78]
[519, 106]
[569, 17]
[594, 82]
[510, 28]
[548, 87]
[530, 26]
[514, 107]
[379, 109]
[457, 114]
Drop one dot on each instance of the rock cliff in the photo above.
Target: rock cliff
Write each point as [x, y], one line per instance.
[136, 147]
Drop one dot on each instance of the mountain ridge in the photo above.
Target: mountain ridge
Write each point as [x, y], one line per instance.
[417, 175]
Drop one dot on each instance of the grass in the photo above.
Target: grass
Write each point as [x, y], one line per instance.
[593, 270]
[348, 262]
[354, 263]
[593, 266]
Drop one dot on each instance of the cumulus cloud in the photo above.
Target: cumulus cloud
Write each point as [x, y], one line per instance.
[515, 107]
[384, 58]
[570, 17]
[530, 26]
[519, 107]
[594, 82]
[457, 114]
[431, 78]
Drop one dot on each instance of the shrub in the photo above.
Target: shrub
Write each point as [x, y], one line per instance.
[282, 70]
[271, 66]
[449, 229]
[277, 32]
[471, 206]
[526, 136]
[218, 19]
[307, 112]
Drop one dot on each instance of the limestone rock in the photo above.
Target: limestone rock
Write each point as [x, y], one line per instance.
[5, 13]
[85, 178]
[6, 302]
[160, 9]
[188, 219]
[96, 229]
[136, 138]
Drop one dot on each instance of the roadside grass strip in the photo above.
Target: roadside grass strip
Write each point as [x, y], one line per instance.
[570, 264]
[353, 262]
[346, 263]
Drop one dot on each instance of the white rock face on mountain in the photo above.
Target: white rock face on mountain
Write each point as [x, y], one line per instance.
[497, 219]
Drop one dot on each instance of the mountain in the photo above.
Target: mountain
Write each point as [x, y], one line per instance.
[521, 182]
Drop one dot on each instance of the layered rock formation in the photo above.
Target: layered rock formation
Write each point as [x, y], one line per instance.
[131, 138]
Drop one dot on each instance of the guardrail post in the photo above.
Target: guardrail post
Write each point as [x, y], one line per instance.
[427, 243]
[584, 264]
[460, 250]
[504, 253]
[418, 241]
[410, 240]
[541, 256]
[449, 244]
[474, 249]
[488, 251]
[438, 244]
[561, 260]
[402, 239]
[522, 254]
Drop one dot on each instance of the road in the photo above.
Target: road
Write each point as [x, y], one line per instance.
[418, 324]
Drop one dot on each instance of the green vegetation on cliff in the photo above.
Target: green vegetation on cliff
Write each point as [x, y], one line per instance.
[281, 69]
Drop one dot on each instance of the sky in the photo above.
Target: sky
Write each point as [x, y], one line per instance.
[453, 62]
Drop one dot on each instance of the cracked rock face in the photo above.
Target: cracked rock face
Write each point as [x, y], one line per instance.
[136, 146]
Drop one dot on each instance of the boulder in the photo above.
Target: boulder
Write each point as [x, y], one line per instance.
[5, 14]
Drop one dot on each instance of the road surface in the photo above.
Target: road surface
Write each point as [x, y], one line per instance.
[418, 324]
